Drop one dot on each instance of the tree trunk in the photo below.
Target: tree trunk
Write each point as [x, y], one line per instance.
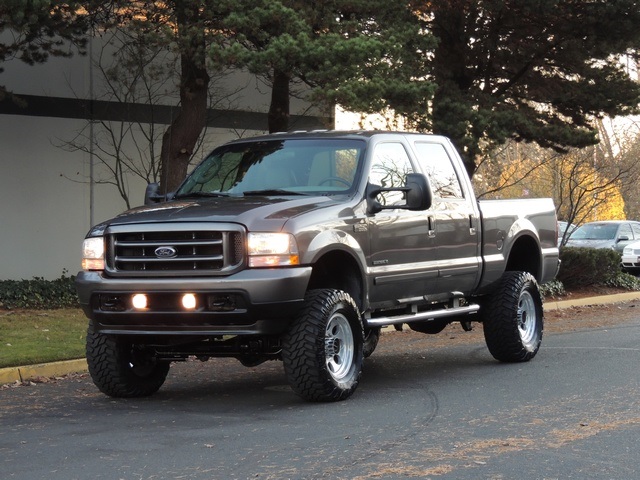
[279, 108]
[180, 138]
[452, 111]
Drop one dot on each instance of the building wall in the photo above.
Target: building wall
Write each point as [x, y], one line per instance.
[47, 200]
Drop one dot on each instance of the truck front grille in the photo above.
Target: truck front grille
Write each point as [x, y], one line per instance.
[174, 249]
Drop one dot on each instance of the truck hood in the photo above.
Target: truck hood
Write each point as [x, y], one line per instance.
[255, 213]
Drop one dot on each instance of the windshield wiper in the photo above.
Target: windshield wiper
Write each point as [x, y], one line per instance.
[202, 194]
[271, 191]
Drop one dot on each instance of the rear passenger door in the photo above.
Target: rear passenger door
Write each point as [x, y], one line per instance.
[453, 220]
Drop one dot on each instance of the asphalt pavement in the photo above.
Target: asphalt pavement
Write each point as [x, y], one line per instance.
[427, 408]
[54, 369]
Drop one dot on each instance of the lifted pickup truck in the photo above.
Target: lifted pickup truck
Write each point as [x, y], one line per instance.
[300, 247]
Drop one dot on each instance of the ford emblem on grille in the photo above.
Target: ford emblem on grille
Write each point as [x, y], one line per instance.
[165, 252]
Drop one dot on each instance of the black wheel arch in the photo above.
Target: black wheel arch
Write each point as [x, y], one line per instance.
[525, 256]
[338, 269]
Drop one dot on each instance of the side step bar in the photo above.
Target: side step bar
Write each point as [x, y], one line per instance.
[423, 316]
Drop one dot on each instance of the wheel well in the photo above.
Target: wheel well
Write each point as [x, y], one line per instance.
[525, 256]
[338, 270]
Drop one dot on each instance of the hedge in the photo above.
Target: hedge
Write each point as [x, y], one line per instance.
[587, 267]
[39, 293]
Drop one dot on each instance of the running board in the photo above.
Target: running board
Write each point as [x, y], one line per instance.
[423, 316]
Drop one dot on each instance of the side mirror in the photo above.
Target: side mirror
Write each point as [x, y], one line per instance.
[622, 238]
[417, 195]
[152, 194]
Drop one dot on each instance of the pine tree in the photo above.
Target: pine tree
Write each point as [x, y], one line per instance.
[33, 30]
[530, 70]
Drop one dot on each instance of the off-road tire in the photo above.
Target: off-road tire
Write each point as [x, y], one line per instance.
[371, 338]
[513, 319]
[323, 351]
[120, 369]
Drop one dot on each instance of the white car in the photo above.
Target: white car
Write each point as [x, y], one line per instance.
[631, 258]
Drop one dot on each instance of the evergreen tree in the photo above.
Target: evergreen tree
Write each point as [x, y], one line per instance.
[529, 70]
[32, 30]
[338, 50]
[350, 52]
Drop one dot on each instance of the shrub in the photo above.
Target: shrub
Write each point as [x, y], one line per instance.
[583, 267]
[39, 293]
[554, 288]
[624, 280]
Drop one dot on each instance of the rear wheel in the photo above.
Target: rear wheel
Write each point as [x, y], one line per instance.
[513, 318]
[122, 369]
[323, 350]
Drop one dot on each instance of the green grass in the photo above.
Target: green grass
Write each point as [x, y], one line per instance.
[29, 337]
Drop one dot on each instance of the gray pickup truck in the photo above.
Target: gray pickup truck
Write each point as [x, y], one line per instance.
[300, 247]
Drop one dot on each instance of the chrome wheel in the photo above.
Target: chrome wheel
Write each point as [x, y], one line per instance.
[322, 352]
[527, 320]
[339, 346]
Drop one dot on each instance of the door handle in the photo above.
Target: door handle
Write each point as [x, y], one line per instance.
[472, 229]
[432, 226]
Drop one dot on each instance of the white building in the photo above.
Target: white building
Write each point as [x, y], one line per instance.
[48, 199]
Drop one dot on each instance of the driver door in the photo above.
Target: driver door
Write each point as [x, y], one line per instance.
[402, 261]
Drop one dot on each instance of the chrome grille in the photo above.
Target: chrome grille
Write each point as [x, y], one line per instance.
[174, 249]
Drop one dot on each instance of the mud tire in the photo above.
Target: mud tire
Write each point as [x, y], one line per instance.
[323, 350]
[513, 319]
[121, 369]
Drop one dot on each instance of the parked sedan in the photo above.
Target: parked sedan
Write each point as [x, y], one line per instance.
[631, 258]
[565, 229]
[614, 234]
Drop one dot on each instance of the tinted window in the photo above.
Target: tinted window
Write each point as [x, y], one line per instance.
[435, 162]
[390, 166]
[298, 166]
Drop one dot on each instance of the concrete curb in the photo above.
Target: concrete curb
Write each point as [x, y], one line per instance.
[590, 301]
[21, 374]
[53, 369]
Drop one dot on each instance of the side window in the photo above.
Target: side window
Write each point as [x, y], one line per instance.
[390, 166]
[636, 231]
[435, 162]
[625, 231]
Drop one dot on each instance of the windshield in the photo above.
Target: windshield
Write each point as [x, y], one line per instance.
[597, 231]
[277, 167]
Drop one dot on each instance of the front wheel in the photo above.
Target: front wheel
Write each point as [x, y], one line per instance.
[513, 318]
[371, 338]
[122, 369]
[323, 350]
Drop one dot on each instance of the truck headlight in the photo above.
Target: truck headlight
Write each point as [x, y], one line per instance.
[272, 250]
[93, 253]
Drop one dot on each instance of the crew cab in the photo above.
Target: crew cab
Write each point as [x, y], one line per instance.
[300, 247]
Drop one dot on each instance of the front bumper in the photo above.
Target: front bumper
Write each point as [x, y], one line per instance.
[630, 262]
[251, 302]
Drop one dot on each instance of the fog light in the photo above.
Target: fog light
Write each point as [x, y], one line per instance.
[189, 301]
[139, 301]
